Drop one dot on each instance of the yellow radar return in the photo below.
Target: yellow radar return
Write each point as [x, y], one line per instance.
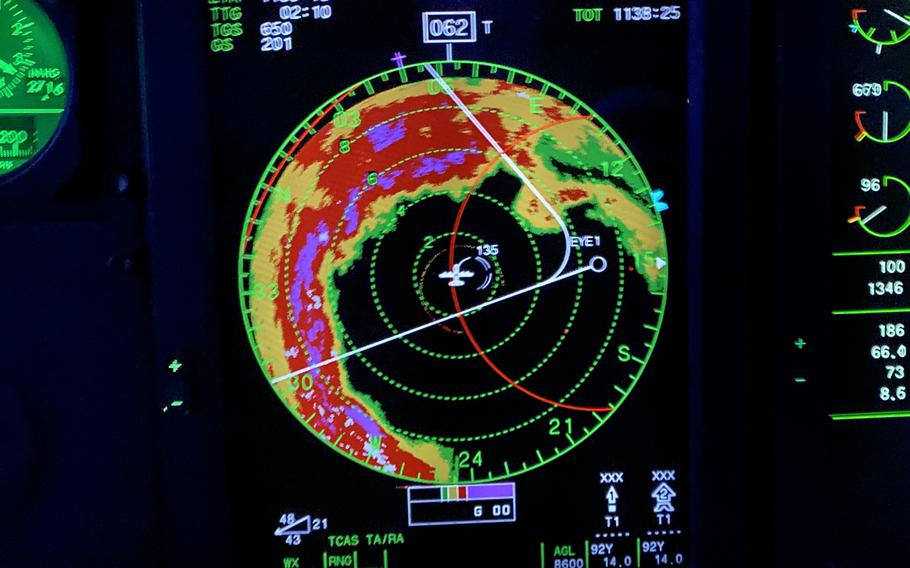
[453, 271]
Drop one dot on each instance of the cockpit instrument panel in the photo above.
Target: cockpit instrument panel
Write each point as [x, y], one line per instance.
[456, 341]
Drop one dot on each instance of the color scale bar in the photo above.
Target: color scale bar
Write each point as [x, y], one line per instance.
[446, 493]
[491, 491]
[870, 415]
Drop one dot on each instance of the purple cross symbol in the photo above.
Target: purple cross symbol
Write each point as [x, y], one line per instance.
[399, 59]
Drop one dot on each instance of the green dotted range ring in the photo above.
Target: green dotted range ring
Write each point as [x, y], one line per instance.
[346, 266]
[418, 269]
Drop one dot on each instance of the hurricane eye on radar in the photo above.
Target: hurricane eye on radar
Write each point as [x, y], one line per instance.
[453, 271]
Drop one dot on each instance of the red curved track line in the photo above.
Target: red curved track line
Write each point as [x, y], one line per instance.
[284, 162]
[461, 318]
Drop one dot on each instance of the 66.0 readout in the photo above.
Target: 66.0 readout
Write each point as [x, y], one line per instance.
[892, 357]
[878, 311]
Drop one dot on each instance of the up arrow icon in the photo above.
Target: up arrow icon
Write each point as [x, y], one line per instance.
[612, 498]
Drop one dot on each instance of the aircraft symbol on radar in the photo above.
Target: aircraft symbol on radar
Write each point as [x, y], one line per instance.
[456, 275]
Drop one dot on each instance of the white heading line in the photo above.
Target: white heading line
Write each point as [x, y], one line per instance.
[597, 263]
[505, 158]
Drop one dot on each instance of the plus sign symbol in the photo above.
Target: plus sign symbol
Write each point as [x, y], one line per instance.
[399, 58]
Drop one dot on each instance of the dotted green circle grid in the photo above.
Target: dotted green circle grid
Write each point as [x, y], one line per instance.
[244, 276]
[617, 310]
[550, 408]
[560, 339]
[446, 356]
[365, 187]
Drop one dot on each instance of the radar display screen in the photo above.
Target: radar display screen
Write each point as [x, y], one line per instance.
[456, 340]
[394, 281]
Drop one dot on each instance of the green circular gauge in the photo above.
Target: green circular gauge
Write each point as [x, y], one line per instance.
[883, 23]
[884, 117]
[885, 212]
[34, 82]
[453, 271]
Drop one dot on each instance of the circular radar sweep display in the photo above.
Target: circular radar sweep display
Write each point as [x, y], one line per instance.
[34, 82]
[453, 271]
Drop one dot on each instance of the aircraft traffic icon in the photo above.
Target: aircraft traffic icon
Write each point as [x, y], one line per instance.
[456, 275]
